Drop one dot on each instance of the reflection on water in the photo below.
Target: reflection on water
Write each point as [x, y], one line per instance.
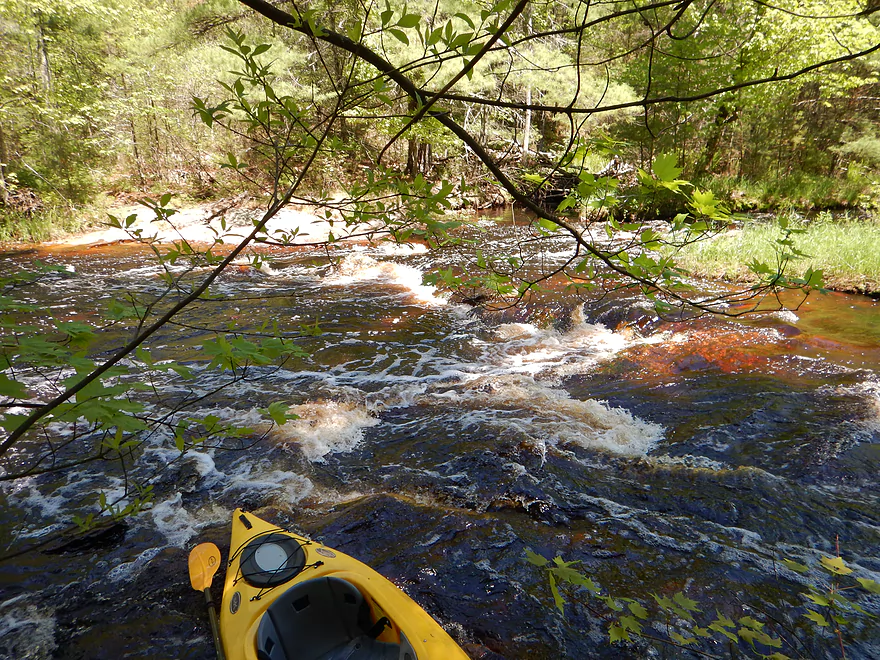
[437, 444]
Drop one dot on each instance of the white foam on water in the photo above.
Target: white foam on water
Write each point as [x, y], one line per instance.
[290, 486]
[358, 267]
[395, 395]
[200, 461]
[326, 427]
[244, 263]
[637, 520]
[867, 425]
[550, 354]
[551, 416]
[49, 505]
[173, 521]
[786, 315]
[26, 631]
[391, 249]
[872, 392]
[689, 461]
[129, 570]
[205, 467]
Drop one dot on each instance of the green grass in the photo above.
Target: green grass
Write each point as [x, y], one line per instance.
[848, 252]
[54, 220]
[803, 192]
[45, 225]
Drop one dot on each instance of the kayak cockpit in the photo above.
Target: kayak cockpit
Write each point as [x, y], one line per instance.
[325, 618]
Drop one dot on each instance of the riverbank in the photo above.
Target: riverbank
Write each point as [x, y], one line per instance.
[846, 250]
[228, 220]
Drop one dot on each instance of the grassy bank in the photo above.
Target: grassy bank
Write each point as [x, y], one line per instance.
[801, 192]
[847, 251]
[43, 224]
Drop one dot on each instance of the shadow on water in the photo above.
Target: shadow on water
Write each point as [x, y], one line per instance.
[437, 445]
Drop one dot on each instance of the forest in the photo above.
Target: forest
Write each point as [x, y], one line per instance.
[533, 303]
[771, 105]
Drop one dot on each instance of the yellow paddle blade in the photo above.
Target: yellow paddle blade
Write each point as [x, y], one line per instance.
[204, 560]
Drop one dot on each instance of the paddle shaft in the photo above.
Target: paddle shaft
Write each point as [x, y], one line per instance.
[215, 628]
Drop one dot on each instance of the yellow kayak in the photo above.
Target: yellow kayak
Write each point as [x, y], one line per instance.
[289, 598]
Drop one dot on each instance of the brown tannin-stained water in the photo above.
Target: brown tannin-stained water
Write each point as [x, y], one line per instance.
[436, 445]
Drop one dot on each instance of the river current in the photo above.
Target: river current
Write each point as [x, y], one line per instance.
[437, 443]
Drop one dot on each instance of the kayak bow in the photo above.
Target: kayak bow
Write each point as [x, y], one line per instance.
[289, 598]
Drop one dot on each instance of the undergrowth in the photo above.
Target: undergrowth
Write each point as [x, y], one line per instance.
[846, 250]
[801, 192]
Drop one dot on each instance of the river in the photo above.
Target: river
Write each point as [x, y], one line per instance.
[436, 444]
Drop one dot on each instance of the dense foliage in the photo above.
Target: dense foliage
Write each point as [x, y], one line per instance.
[97, 93]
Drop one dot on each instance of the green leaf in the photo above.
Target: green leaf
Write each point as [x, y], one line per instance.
[819, 600]
[631, 624]
[617, 634]
[665, 603]
[681, 639]
[536, 559]
[11, 388]
[705, 203]
[835, 565]
[467, 19]
[610, 602]
[564, 572]
[870, 585]
[537, 179]
[278, 412]
[817, 618]
[557, 597]
[400, 35]
[638, 610]
[11, 422]
[409, 20]
[720, 629]
[665, 167]
[794, 566]
[751, 636]
[433, 36]
[80, 334]
[686, 603]
[723, 620]
[749, 622]
[589, 584]
[547, 225]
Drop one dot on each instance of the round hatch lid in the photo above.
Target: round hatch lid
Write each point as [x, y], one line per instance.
[270, 560]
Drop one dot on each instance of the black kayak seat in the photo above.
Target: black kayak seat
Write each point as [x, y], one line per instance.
[324, 618]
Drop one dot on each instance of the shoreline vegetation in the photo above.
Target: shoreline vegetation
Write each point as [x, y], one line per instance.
[846, 249]
[845, 244]
[212, 100]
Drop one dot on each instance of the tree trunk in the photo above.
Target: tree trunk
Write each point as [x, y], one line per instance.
[724, 116]
[43, 55]
[4, 189]
[527, 129]
[134, 139]
[418, 153]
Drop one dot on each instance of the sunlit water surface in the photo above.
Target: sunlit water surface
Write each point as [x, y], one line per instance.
[437, 444]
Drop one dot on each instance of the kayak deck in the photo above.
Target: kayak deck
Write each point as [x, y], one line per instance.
[289, 598]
